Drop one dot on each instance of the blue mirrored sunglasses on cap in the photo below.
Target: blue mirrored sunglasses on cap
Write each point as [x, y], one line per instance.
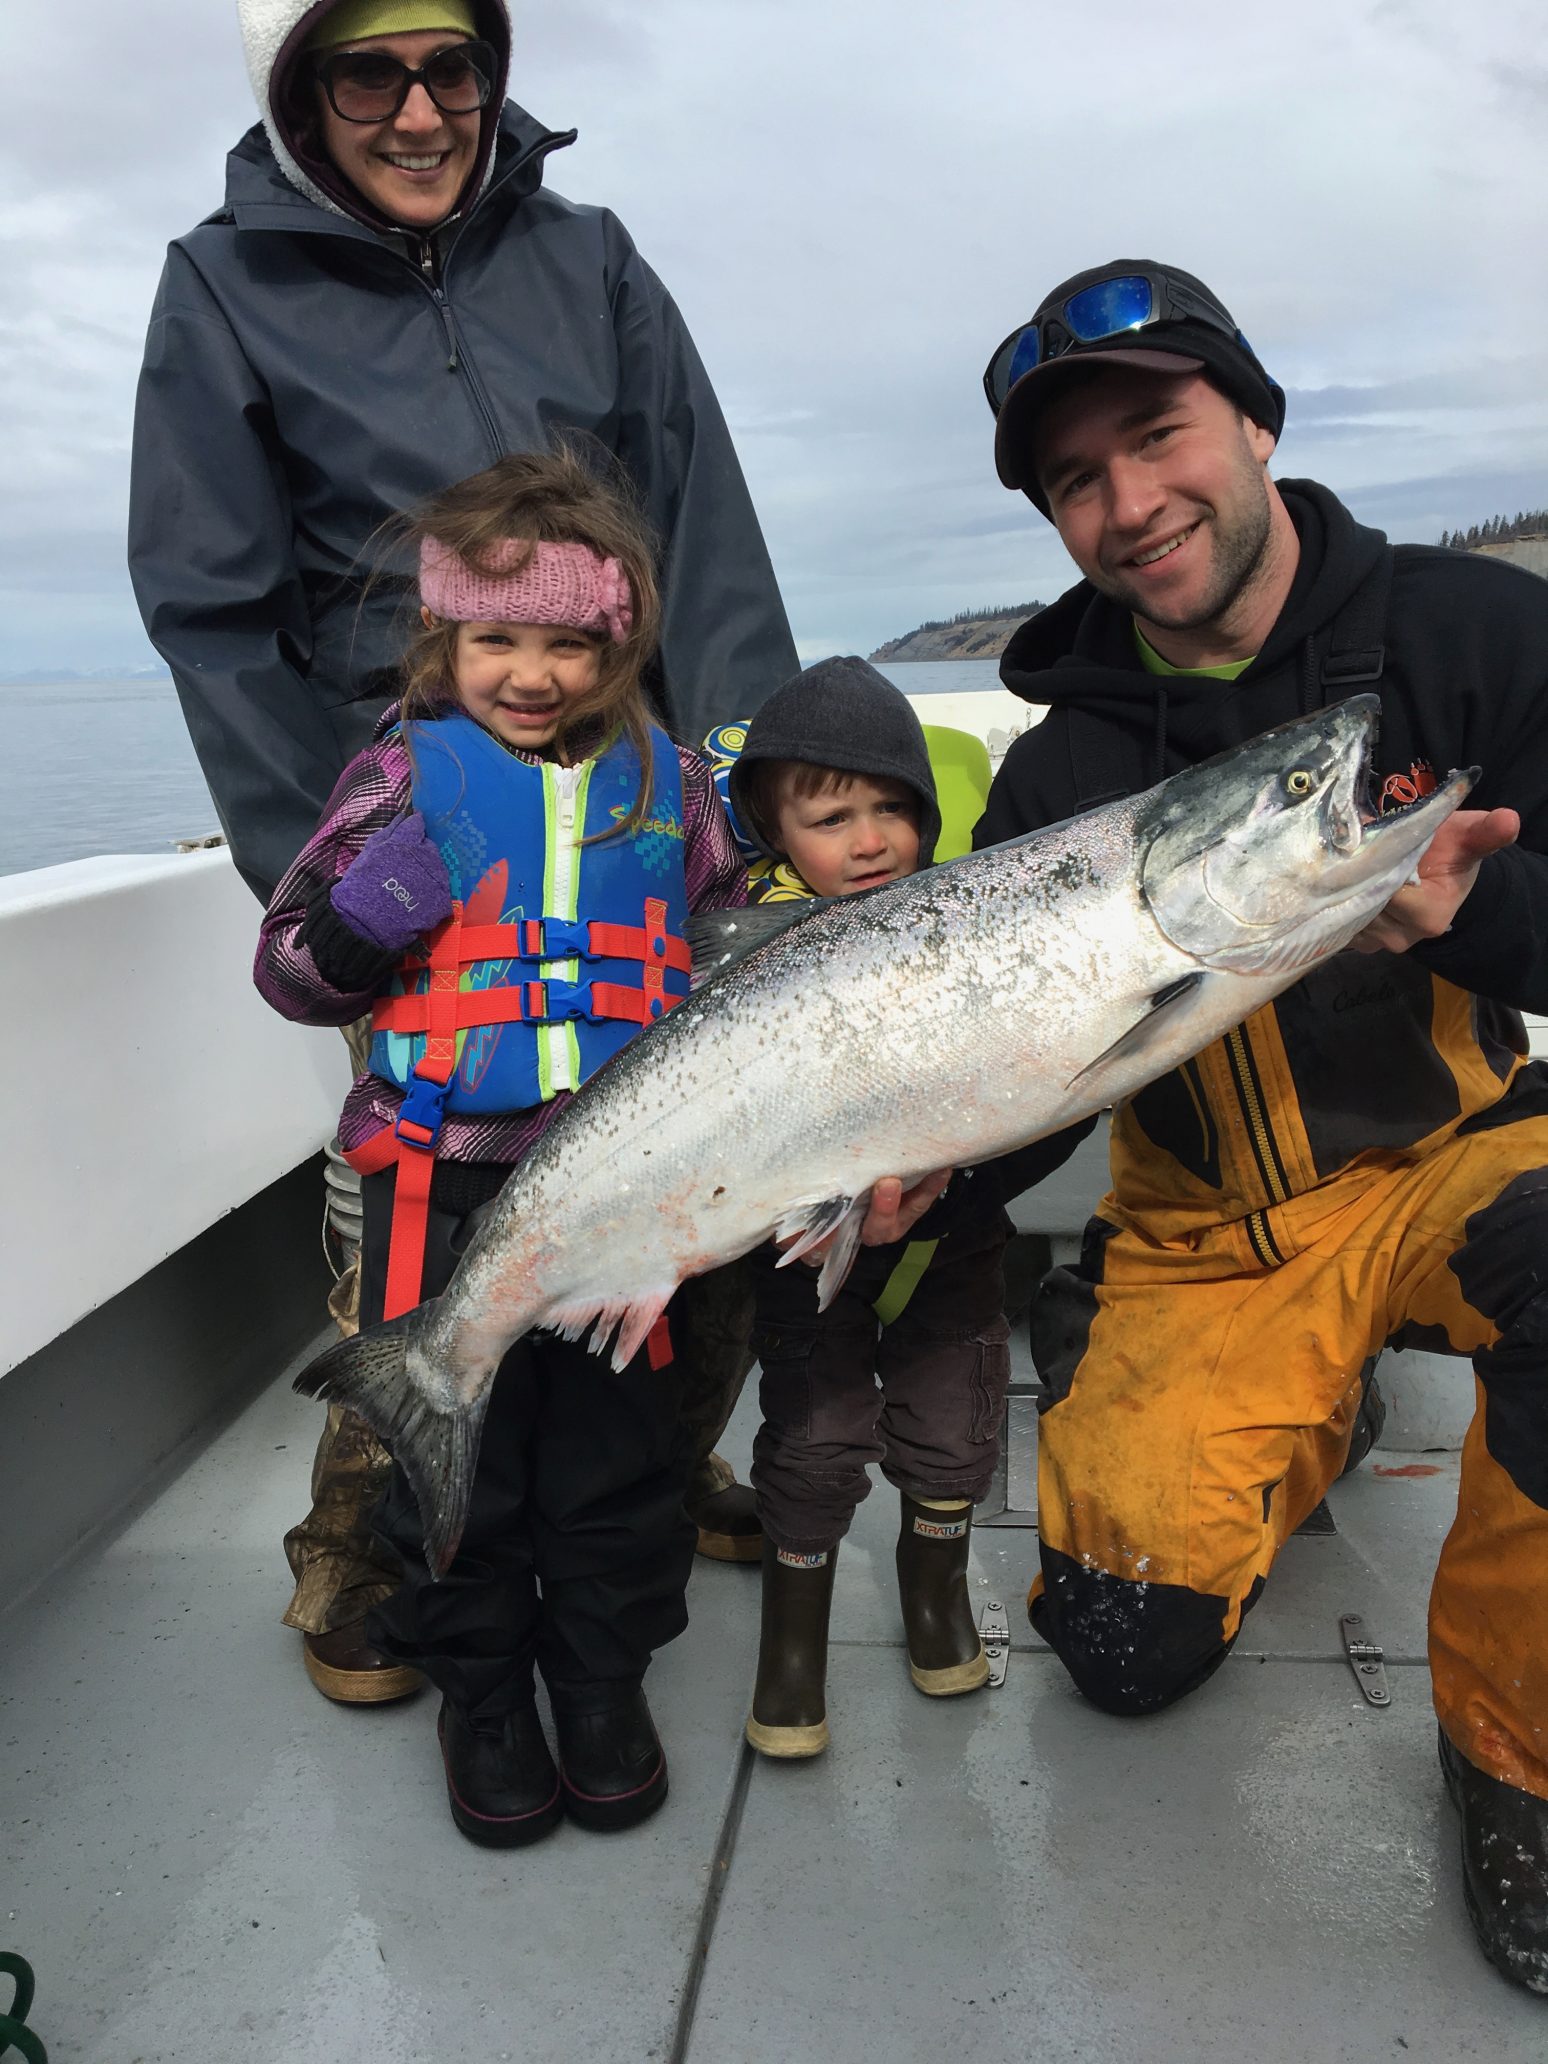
[1107, 308]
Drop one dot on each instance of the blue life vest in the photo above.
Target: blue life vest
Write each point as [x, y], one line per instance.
[556, 952]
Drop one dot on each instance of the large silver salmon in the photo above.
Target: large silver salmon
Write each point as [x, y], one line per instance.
[932, 1023]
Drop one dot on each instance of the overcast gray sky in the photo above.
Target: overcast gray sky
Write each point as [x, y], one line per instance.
[853, 201]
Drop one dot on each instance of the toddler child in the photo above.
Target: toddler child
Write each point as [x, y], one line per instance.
[908, 1366]
[519, 783]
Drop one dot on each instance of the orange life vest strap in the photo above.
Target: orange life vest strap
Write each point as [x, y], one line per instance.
[439, 1059]
[473, 1007]
[650, 944]
[528, 1003]
[373, 1155]
[410, 1225]
[638, 942]
[410, 1212]
[446, 1009]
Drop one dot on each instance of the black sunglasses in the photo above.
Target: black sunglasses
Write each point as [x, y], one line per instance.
[371, 86]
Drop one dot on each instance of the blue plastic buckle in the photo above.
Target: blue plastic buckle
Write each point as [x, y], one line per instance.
[567, 1000]
[423, 1111]
[563, 939]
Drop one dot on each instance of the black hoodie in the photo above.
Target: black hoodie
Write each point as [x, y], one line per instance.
[1463, 681]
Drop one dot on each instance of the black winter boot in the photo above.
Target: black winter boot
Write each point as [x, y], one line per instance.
[611, 1761]
[1504, 1867]
[502, 1784]
[790, 1706]
[1370, 1418]
[945, 1655]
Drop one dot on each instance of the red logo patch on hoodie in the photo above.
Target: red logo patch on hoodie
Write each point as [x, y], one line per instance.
[1399, 790]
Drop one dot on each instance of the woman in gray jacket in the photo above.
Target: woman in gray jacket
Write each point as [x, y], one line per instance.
[388, 301]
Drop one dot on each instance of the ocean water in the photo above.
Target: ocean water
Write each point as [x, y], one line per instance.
[105, 766]
[97, 766]
[942, 676]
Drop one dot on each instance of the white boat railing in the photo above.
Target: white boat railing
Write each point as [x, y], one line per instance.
[148, 1088]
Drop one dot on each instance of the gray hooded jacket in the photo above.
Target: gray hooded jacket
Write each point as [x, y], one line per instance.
[309, 373]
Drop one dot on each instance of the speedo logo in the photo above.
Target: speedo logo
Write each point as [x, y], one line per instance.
[792, 1559]
[395, 888]
[664, 827]
[941, 1529]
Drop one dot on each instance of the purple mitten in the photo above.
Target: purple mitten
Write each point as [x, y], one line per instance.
[396, 888]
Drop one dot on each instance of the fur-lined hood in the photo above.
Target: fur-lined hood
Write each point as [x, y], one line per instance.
[273, 34]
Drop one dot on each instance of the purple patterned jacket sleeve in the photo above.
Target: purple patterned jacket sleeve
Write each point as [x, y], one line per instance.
[373, 789]
[715, 876]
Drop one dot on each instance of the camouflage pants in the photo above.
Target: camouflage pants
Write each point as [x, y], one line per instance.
[339, 1569]
[342, 1571]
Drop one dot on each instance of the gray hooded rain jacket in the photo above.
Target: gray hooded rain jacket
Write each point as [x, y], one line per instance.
[311, 372]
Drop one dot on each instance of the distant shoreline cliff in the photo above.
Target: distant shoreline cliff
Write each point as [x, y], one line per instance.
[1529, 552]
[975, 634]
[985, 633]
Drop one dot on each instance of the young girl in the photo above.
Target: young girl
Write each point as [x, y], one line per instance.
[520, 778]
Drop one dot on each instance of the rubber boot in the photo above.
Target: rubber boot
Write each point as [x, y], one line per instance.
[611, 1761]
[725, 1513]
[945, 1655]
[1504, 1867]
[790, 1705]
[500, 1780]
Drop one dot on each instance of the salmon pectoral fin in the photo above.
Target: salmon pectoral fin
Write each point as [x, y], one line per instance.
[436, 1450]
[836, 1219]
[1162, 1012]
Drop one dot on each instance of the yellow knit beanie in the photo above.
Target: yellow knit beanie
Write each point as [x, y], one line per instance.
[353, 20]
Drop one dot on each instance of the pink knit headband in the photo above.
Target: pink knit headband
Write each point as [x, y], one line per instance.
[558, 584]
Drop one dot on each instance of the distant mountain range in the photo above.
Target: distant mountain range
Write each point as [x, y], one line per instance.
[58, 677]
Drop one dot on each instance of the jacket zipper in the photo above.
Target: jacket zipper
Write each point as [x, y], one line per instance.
[554, 140]
[563, 786]
[455, 363]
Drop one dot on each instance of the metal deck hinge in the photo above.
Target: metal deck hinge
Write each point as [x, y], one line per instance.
[994, 1633]
[1365, 1659]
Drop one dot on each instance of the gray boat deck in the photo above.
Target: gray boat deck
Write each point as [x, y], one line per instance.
[209, 1864]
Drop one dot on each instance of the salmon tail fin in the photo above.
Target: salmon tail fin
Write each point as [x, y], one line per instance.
[368, 1374]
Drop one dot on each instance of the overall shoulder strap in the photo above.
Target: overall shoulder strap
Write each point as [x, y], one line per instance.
[1356, 649]
[1104, 764]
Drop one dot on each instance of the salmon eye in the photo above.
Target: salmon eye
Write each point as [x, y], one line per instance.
[1298, 782]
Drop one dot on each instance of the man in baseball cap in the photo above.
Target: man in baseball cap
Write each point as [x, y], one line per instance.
[1364, 1156]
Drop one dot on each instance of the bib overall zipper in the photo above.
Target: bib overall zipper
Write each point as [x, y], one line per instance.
[1249, 1093]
